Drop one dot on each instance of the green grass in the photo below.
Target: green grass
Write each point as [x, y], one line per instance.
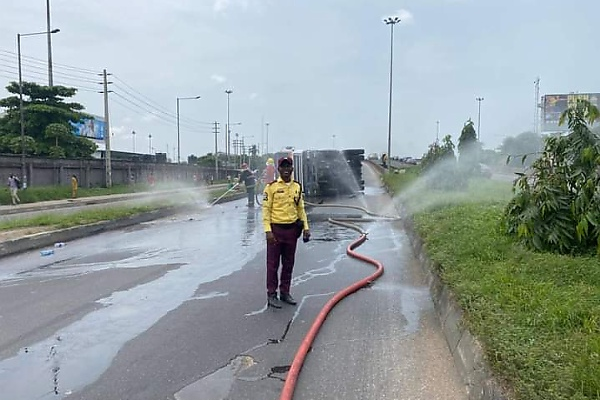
[45, 193]
[59, 221]
[538, 315]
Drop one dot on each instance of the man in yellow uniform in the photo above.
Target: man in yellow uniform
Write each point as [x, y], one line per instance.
[284, 220]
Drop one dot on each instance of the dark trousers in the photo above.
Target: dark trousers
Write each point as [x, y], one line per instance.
[283, 250]
[250, 192]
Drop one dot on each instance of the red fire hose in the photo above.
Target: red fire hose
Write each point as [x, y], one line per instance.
[294, 372]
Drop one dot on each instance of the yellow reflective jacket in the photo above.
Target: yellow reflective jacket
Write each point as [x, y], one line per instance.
[283, 203]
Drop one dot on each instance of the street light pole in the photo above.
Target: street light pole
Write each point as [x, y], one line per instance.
[228, 127]
[479, 100]
[21, 107]
[178, 135]
[391, 21]
[49, 34]
[267, 125]
[133, 136]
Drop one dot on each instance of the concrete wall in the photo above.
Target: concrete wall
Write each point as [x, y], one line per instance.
[91, 173]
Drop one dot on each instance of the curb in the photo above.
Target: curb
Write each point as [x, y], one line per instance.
[465, 348]
[44, 239]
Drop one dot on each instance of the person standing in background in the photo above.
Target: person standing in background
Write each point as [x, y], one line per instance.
[14, 185]
[247, 176]
[269, 172]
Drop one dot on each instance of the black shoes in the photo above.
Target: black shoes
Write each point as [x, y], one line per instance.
[273, 301]
[287, 298]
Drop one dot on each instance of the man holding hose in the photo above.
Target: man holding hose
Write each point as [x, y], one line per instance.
[284, 220]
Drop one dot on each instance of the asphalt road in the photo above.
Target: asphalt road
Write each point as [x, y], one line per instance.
[176, 309]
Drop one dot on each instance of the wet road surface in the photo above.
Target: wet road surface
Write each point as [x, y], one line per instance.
[176, 309]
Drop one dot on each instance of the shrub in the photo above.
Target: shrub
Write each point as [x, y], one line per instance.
[557, 206]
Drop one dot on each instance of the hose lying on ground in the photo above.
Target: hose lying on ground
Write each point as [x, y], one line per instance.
[305, 345]
[352, 207]
[224, 194]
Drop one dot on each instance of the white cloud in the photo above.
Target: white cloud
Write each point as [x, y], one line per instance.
[253, 96]
[218, 78]
[221, 5]
[405, 16]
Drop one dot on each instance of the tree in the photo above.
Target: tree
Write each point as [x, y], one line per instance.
[438, 152]
[43, 106]
[192, 159]
[467, 138]
[557, 208]
[439, 166]
[469, 149]
[522, 149]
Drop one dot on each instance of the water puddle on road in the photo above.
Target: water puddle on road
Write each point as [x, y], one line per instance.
[78, 354]
[217, 385]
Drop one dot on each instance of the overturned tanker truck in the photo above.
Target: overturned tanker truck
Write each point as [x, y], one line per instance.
[327, 173]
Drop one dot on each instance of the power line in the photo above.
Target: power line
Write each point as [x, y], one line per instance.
[39, 60]
[145, 110]
[35, 75]
[157, 109]
[152, 103]
[143, 113]
[41, 70]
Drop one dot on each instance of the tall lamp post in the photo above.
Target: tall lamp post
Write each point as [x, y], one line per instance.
[178, 135]
[391, 21]
[479, 100]
[133, 136]
[267, 125]
[21, 108]
[48, 31]
[228, 127]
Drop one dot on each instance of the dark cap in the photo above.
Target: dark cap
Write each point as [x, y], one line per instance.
[285, 160]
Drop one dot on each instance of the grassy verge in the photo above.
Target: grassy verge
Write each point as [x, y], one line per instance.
[61, 221]
[57, 221]
[537, 315]
[45, 193]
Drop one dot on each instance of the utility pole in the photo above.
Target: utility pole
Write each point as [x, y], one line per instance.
[267, 125]
[49, 35]
[133, 136]
[479, 100]
[437, 132]
[216, 132]
[107, 132]
[536, 114]
[150, 143]
[228, 130]
[262, 134]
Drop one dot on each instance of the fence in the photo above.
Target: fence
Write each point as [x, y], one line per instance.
[91, 172]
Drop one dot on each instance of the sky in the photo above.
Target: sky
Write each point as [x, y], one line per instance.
[316, 71]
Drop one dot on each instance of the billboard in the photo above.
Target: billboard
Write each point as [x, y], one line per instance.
[553, 105]
[91, 128]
